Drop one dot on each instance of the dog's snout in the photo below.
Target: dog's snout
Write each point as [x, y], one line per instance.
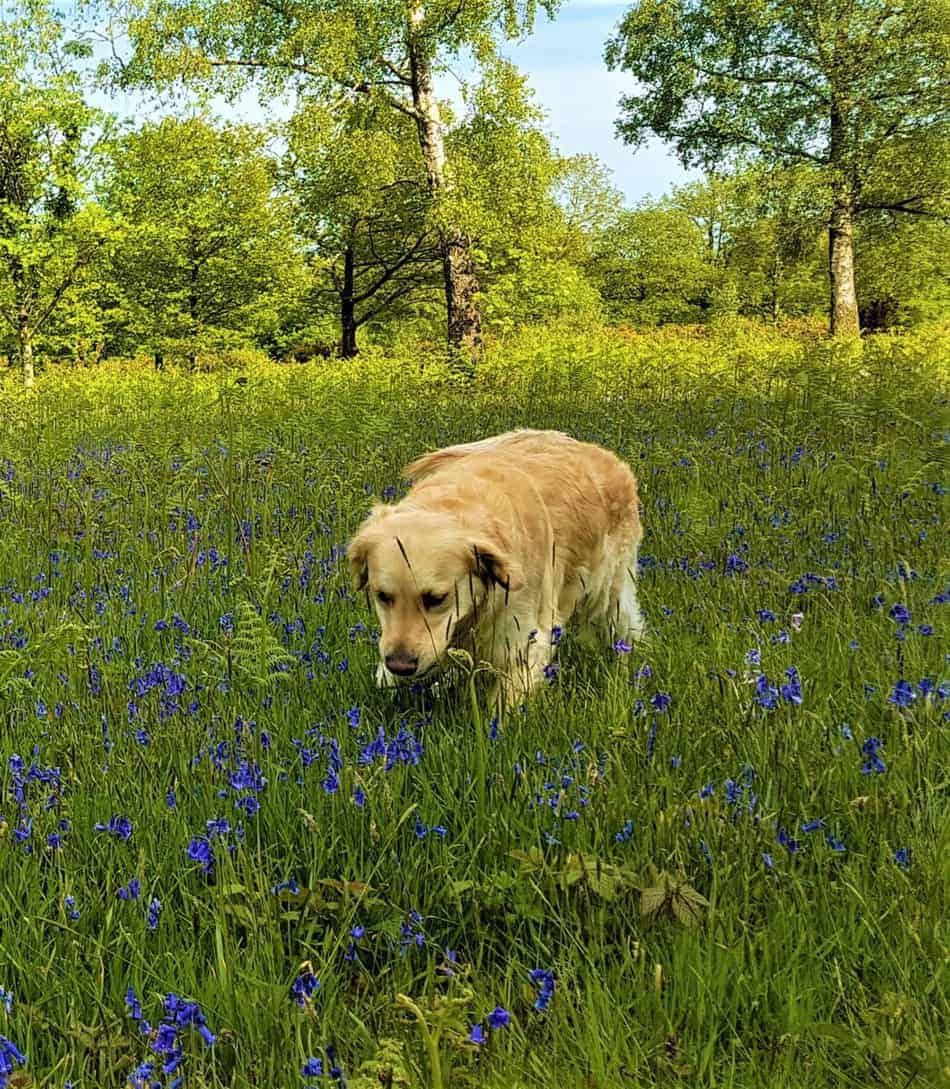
[402, 664]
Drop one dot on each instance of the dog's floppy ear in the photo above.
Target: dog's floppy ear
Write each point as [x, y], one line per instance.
[357, 551]
[495, 564]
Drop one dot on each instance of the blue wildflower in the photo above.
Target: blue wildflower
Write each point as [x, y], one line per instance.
[544, 978]
[902, 857]
[874, 765]
[790, 845]
[477, 1035]
[765, 695]
[118, 826]
[903, 694]
[498, 1018]
[792, 691]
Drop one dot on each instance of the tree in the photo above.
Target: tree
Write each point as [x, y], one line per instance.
[508, 181]
[363, 205]
[653, 266]
[388, 53]
[839, 84]
[208, 255]
[49, 240]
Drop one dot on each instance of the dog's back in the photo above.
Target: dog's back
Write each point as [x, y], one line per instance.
[588, 491]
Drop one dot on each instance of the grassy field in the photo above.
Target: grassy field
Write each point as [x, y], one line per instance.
[719, 860]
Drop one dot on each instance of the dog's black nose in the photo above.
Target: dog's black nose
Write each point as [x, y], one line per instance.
[402, 664]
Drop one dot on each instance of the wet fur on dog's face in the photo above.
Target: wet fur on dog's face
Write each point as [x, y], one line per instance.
[427, 575]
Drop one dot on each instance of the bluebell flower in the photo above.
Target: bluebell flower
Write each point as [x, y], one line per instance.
[836, 845]
[767, 859]
[735, 564]
[625, 833]
[661, 701]
[498, 1018]
[902, 857]
[544, 979]
[154, 910]
[903, 694]
[813, 826]
[900, 613]
[765, 694]
[130, 891]
[10, 1057]
[786, 841]
[477, 1035]
[118, 826]
[792, 691]
[621, 646]
[200, 850]
[312, 1068]
[874, 765]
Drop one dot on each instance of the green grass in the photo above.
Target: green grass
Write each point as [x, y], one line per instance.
[764, 461]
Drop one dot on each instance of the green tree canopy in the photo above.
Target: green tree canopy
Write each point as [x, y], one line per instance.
[388, 53]
[208, 256]
[844, 85]
[50, 236]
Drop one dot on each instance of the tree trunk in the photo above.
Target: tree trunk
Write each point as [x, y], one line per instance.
[461, 282]
[843, 310]
[844, 296]
[348, 348]
[775, 275]
[25, 346]
[193, 302]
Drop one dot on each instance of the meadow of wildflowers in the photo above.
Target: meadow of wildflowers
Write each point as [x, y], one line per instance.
[720, 857]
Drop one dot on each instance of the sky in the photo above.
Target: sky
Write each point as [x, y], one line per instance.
[564, 61]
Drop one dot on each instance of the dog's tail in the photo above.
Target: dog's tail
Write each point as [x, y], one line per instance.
[428, 463]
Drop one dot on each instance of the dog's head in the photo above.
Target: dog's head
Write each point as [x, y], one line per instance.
[426, 575]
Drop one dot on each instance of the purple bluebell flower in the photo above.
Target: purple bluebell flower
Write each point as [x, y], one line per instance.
[498, 1018]
[903, 694]
[544, 979]
[118, 826]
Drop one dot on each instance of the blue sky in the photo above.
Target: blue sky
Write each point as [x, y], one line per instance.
[565, 62]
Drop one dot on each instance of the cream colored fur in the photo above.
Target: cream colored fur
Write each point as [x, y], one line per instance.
[517, 535]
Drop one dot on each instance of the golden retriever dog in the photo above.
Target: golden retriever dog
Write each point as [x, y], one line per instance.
[497, 546]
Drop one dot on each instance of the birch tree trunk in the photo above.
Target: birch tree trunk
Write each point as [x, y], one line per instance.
[461, 282]
[843, 309]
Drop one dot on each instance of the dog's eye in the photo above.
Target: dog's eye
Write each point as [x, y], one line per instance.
[433, 601]
[383, 598]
